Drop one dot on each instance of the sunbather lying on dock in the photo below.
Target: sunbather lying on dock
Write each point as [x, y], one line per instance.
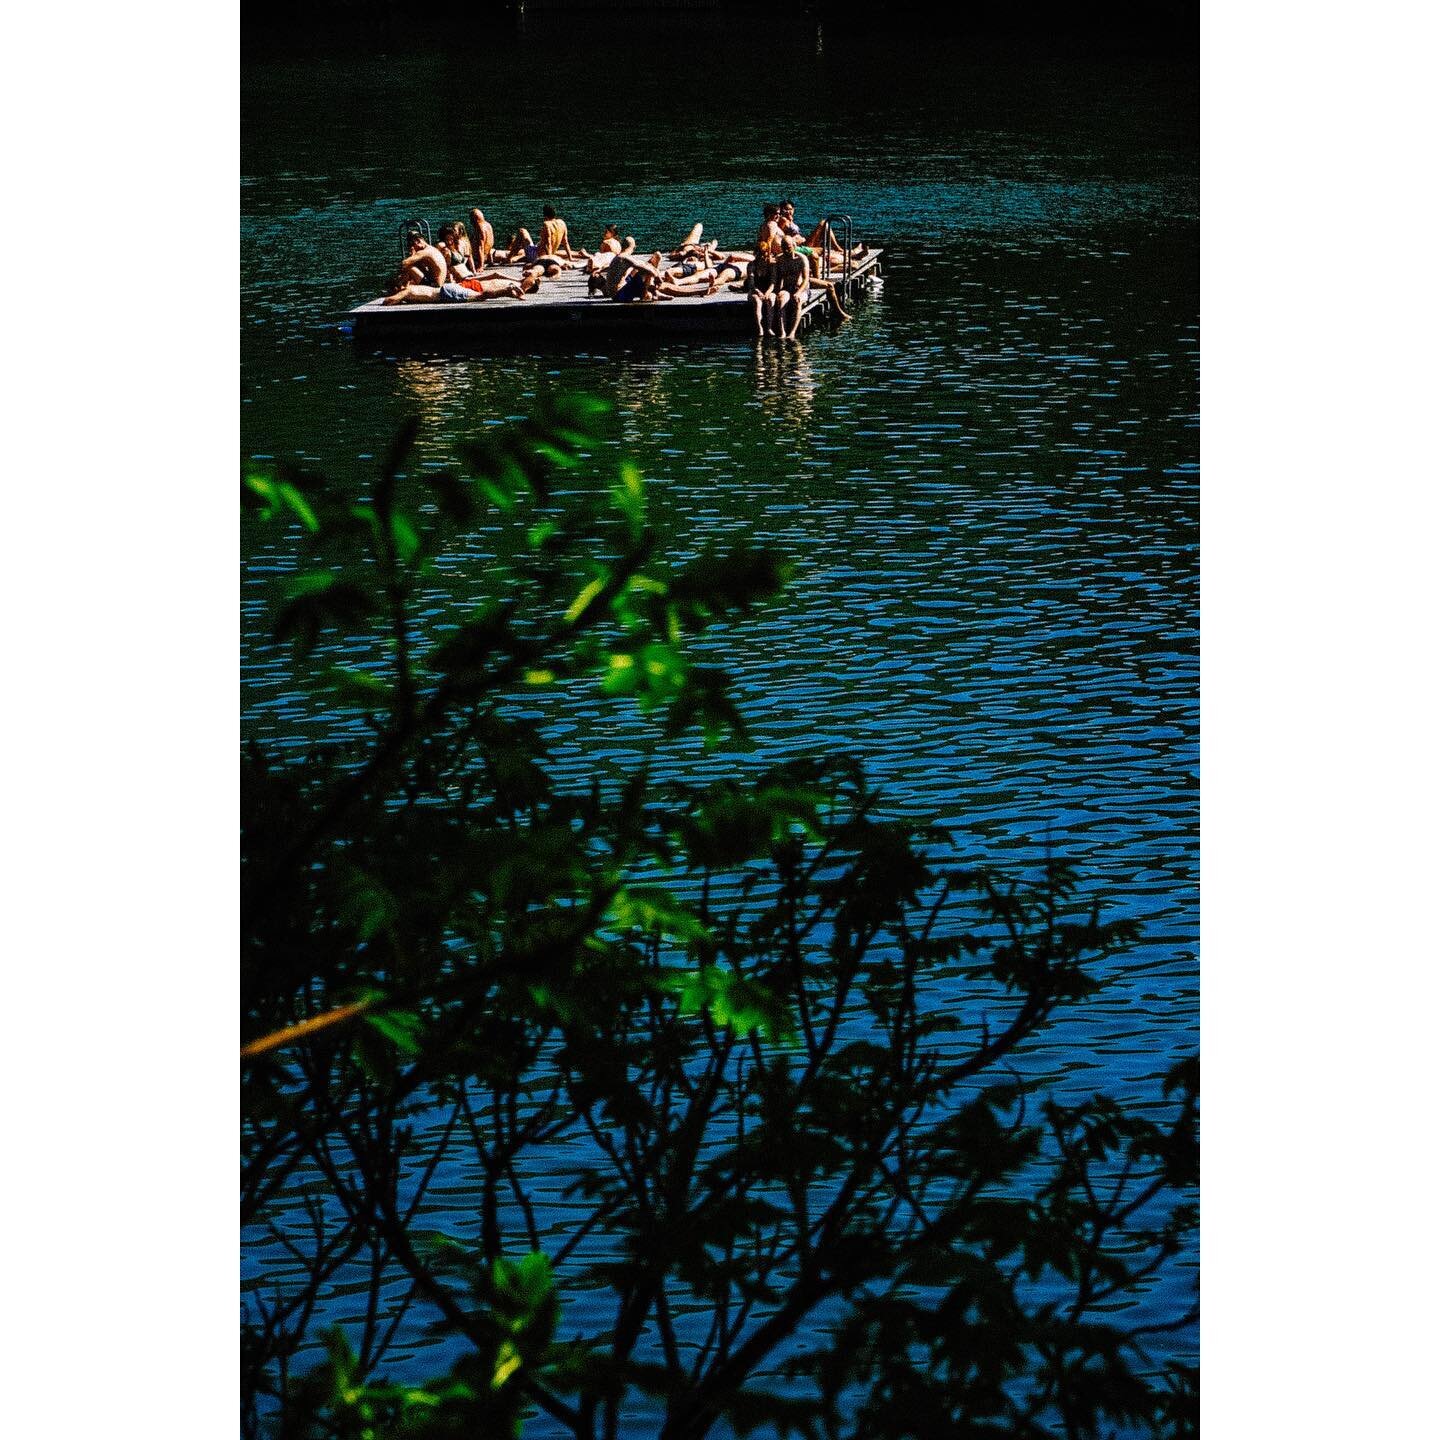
[627, 279]
[610, 246]
[704, 276]
[479, 287]
[691, 244]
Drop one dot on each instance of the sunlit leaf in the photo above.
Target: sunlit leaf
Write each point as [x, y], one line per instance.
[402, 1028]
[583, 600]
[404, 537]
[507, 1362]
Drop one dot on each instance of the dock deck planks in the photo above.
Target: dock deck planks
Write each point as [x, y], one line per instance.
[563, 306]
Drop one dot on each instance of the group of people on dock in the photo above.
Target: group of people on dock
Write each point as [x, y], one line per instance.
[785, 266]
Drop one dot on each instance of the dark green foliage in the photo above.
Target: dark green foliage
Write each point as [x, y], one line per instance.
[723, 1017]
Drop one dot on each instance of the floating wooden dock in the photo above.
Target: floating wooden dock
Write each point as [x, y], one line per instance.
[563, 306]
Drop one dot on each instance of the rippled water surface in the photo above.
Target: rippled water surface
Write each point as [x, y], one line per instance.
[988, 481]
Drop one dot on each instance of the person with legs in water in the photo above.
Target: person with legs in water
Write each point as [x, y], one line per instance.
[761, 283]
[807, 249]
[792, 286]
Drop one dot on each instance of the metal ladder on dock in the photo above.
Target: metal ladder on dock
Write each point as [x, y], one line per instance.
[846, 244]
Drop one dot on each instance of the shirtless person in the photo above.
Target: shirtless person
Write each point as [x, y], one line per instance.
[554, 243]
[792, 284]
[691, 245]
[425, 265]
[484, 241]
[610, 247]
[806, 248]
[627, 279]
[477, 287]
[705, 273]
[761, 282]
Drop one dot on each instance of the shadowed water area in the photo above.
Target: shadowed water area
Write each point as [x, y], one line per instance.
[988, 482]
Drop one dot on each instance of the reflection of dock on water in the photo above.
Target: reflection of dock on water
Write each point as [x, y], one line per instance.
[563, 306]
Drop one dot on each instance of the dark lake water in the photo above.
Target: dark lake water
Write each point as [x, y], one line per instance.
[988, 481]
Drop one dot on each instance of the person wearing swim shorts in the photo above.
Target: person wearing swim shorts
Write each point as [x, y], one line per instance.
[478, 287]
[792, 283]
[761, 282]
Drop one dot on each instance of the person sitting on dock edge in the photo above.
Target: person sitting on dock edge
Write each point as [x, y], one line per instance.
[761, 283]
[792, 287]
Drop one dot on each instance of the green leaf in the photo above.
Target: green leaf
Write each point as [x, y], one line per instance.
[402, 1028]
[582, 602]
[365, 903]
[404, 537]
[644, 907]
[507, 1362]
[736, 1001]
[629, 496]
[275, 495]
[359, 688]
[318, 600]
